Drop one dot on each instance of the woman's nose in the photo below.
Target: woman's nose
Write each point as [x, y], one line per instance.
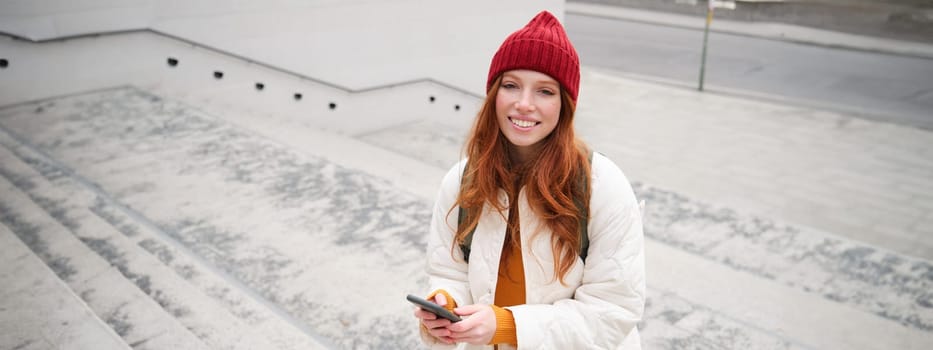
[525, 102]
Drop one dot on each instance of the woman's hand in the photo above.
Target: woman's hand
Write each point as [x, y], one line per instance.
[478, 328]
[436, 326]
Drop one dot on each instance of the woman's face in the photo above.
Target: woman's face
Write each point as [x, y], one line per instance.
[527, 108]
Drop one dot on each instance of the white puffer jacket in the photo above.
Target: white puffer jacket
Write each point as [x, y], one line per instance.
[603, 299]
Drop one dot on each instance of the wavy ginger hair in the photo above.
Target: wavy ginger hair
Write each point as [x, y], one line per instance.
[551, 179]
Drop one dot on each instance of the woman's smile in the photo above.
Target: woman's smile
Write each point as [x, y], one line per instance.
[523, 124]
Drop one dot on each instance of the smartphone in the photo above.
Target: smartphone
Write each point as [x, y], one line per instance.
[433, 308]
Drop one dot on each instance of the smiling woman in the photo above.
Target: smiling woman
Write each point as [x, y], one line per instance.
[554, 231]
[528, 108]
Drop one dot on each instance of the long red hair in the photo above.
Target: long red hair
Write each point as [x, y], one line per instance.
[551, 180]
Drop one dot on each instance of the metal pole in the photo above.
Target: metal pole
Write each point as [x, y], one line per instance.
[709, 18]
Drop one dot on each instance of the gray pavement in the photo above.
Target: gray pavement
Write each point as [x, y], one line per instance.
[903, 20]
[875, 85]
[762, 29]
[192, 212]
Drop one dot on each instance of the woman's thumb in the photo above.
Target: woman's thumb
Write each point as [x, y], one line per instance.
[440, 299]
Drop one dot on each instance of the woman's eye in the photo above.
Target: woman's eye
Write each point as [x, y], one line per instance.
[547, 92]
[509, 85]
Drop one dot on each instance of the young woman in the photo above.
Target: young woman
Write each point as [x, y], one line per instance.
[512, 221]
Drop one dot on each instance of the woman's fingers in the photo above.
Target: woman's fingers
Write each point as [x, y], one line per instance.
[424, 315]
[478, 328]
[432, 322]
[438, 329]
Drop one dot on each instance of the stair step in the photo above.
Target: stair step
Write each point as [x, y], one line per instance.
[417, 174]
[795, 316]
[285, 230]
[671, 322]
[142, 322]
[279, 328]
[39, 310]
[208, 305]
[198, 312]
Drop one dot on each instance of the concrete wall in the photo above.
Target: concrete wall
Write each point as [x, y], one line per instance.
[356, 44]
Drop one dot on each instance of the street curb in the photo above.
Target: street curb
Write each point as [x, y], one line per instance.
[766, 30]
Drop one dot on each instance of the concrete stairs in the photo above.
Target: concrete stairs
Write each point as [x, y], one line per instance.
[149, 292]
[718, 279]
[39, 310]
[796, 285]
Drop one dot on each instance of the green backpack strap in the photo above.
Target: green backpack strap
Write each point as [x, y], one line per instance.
[581, 207]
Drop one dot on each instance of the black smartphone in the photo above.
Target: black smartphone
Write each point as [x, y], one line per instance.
[433, 308]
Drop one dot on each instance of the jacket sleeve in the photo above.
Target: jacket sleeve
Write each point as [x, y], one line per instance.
[611, 297]
[446, 271]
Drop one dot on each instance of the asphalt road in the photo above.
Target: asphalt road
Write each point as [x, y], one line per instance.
[878, 86]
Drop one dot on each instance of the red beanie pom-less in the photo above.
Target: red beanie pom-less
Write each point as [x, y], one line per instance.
[543, 46]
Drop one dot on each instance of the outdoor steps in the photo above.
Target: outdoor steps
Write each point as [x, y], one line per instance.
[712, 285]
[254, 257]
[802, 276]
[780, 266]
[820, 275]
[358, 149]
[145, 299]
[787, 275]
[39, 310]
[136, 317]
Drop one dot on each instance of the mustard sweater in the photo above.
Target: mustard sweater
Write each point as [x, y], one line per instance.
[510, 291]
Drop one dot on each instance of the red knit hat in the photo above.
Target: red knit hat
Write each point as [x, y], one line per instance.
[543, 46]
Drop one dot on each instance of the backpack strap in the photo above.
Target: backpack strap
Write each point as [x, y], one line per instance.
[468, 240]
[581, 208]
